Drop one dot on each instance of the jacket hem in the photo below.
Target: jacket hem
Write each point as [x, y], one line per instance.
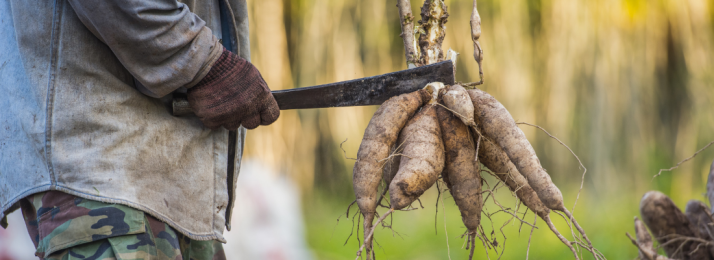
[147, 210]
[23, 194]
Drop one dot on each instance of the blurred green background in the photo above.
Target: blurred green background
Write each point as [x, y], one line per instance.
[626, 83]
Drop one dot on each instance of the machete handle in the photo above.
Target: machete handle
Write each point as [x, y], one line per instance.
[180, 106]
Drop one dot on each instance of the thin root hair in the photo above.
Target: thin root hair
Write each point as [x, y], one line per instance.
[683, 161]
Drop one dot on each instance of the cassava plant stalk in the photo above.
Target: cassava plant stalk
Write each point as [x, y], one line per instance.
[475, 35]
[432, 30]
[406, 19]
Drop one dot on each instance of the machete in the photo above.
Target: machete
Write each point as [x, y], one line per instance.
[358, 92]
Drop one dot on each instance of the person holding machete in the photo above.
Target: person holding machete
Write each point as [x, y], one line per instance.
[89, 150]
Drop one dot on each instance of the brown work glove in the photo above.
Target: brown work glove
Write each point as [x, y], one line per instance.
[233, 93]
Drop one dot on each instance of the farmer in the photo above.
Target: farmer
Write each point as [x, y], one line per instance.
[89, 150]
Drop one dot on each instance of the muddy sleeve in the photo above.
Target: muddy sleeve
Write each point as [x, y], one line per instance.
[160, 42]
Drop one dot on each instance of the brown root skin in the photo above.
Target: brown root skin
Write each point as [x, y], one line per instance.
[392, 167]
[379, 137]
[368, 218]
[418, 144]
[497, 161]
[460, 174]
[422, 159]
[499, 126]
[698, 214]
[458, 100]
[668, 223]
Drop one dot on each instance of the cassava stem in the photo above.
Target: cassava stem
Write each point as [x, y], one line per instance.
[475, 35]
[406, 19]
[432, 30]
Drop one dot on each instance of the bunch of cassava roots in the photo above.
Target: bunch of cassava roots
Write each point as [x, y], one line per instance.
[688, 235]
[453, 133]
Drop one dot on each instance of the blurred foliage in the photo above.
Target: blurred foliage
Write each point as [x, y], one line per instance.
[626, 83]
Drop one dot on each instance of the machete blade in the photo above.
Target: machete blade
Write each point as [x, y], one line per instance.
[365, 91]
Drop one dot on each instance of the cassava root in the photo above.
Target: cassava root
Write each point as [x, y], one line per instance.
[688, 235]
[437, 137]
[496, 160]
[497, 124]
[460, 172]
[379, 137]
[421, 162]
[671, 227]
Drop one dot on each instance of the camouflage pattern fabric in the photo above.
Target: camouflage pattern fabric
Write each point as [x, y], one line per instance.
[66, 227]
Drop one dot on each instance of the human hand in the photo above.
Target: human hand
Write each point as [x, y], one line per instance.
[233, 93]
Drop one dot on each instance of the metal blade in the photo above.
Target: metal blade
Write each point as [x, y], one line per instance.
[365, 91]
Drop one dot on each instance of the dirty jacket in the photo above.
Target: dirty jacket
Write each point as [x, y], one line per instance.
[85, 92]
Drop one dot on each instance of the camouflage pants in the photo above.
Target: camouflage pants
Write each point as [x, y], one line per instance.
[66, 227]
